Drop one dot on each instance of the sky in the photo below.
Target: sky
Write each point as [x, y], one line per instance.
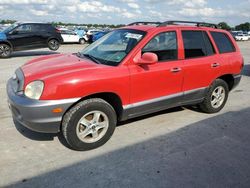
[126, 11]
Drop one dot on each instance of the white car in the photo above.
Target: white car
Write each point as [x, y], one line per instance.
[241, 37]
[88, 36]
[71, 37]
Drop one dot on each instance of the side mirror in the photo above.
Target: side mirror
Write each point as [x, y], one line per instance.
[147, 58]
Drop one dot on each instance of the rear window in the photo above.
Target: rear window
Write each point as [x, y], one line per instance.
[197, 44]
[223, 42]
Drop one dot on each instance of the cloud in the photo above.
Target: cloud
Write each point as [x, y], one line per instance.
[189, 3]
[125, 11]
[23, 1]
[134, 5]
[39, 12]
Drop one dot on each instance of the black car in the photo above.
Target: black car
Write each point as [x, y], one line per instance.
[27, 36]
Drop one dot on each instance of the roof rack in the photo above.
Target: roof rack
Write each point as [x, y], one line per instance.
[145, 23]
[198, 24]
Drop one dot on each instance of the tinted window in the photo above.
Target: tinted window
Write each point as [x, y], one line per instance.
[223, 42]
[209, 47]
[40, 27]
[163, 45]
[25, 28]
[194, 44]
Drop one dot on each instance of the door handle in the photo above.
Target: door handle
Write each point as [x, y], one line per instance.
[176, 69]
[215, 65]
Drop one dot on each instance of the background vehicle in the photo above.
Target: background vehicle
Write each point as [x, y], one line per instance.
[98, 35]
[129, 72]
[88, 36]
[70, 36]
[241, 37]
[26, 36]
[80, 31]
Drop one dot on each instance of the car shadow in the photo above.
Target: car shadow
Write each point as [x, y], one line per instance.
[167, 111]
[36, 136]
[213, 152]
[31, 53]
[246, 70]
[32, 134]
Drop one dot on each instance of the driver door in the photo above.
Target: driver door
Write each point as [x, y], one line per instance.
[157, 86]
[23, 37]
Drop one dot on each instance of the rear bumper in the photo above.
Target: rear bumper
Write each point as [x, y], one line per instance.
[237, 78]
[37, 115]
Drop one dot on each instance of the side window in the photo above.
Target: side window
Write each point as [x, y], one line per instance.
[209, 46]
[164, 45]
[40, 28]
[223, 42]
[194, 44]
[24, 28]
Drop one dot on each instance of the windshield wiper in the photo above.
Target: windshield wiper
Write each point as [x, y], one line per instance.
[92, 58]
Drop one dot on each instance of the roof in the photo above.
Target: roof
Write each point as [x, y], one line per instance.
[30, 22]
[155, 27]
[145, 26]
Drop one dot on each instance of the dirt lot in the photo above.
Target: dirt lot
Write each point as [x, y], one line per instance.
[179, 147]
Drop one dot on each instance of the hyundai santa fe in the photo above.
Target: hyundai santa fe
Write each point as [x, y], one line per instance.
[142, 68]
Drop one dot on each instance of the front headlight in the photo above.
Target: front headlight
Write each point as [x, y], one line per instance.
[34, 89]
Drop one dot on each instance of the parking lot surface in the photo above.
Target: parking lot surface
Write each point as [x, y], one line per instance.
[179, 147]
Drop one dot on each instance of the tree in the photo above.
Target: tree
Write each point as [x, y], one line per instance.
[224, 25]
[243, 26]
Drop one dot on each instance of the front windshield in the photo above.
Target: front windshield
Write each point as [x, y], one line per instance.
[8, 29]
[113, 47]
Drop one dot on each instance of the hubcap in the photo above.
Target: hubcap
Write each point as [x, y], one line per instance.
[4, 50]
[92, 126]
[218, 97]
[54, 44]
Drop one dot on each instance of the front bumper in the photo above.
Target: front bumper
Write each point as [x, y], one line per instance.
[37, 115]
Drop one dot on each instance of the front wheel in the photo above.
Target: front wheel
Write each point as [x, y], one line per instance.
[82, 41]
[5, 51]
[53, 44]
[216, 97]
[89, 124]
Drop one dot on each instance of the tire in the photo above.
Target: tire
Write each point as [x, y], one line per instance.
[5, 50]
[82, 41]
[214, 99]
[91, 132]
[53, 44]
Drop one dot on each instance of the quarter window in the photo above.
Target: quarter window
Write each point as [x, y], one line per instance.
[164, 45]
[223, 42]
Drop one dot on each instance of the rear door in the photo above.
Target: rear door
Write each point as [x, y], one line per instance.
[157, 86]
[228, 58]
[73, 37]
[200, 64]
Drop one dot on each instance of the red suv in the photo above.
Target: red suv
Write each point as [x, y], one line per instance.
[132, 71]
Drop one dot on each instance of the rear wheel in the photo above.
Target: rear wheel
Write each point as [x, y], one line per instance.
[53, 44]
[216, 97]
[89, 124]
[5, 50]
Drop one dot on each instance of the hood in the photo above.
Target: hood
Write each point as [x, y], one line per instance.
[2, 36]
[55, 65]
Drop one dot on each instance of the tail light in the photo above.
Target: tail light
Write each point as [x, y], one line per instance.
[58, 31]
[242, 63]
